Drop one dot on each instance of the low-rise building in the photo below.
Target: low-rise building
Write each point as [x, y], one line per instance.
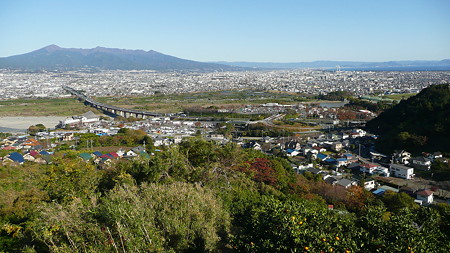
[426, 196]
[369, 185]
[345, 183]
[402, 171]
[421, 163]
[368, 168]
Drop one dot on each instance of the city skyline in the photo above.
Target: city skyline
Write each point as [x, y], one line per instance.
[257, 31]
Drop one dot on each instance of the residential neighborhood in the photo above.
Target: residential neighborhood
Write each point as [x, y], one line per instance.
[341, 158]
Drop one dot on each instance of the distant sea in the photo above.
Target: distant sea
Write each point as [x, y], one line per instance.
[402, 68]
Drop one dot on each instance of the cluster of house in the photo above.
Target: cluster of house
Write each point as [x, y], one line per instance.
[31, 150]
[41, 157]
[44, 157]
[99, 158]
[21, 142]
[402, 165]
[422, 197]
[419, 162]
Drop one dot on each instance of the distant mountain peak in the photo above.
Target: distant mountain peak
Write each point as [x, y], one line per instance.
[54, 57]
[51, 48]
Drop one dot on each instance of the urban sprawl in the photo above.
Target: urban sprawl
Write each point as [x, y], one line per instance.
[341, 157]
[18, 84]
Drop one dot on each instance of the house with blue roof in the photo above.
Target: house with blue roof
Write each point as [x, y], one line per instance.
[97, 153]
[292, 152]
[379, 191]
[350, 157]
[43, 152]
[341, 162]
[15, 157]
[322, 156]
[289, 150]
[330, 160]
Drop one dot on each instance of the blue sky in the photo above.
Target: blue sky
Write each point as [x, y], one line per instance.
[235, 30]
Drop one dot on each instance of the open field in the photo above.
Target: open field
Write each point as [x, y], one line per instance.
[43, 107]
[172, 103]
[178, 102]
[400, 96]
[294, 127]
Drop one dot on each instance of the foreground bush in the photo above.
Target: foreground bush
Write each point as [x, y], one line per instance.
[305, 226]
[150, 218]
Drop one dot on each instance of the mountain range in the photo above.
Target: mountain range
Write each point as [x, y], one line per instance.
[54, 57]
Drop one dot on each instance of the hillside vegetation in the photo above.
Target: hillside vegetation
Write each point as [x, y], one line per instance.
[203, 197]
[420, 123]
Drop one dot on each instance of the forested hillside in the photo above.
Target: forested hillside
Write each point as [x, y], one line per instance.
[203, 197]
[420, 123]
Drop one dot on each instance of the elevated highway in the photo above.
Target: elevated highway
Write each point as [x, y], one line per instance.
[124, 112]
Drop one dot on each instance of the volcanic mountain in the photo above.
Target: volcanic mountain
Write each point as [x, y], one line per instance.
[54, 57]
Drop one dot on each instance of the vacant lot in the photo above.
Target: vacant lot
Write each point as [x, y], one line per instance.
[173, 103]
[22, 123]
[42, 107]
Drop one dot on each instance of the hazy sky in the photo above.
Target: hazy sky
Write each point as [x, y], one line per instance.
[235, 30]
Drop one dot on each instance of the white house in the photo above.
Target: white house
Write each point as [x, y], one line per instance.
[130, 153]
[402, 157]
[358, 133]
[369, 185]
[421, 163]
[120, 152]
[402, 171]
[426, 196]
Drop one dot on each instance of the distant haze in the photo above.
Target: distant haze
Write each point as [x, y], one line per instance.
[348, 65]
[54, 57]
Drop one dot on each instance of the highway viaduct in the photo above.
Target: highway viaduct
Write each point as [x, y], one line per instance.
[124, 112]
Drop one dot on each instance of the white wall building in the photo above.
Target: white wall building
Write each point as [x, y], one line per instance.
[426, 196]
[402, 171]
